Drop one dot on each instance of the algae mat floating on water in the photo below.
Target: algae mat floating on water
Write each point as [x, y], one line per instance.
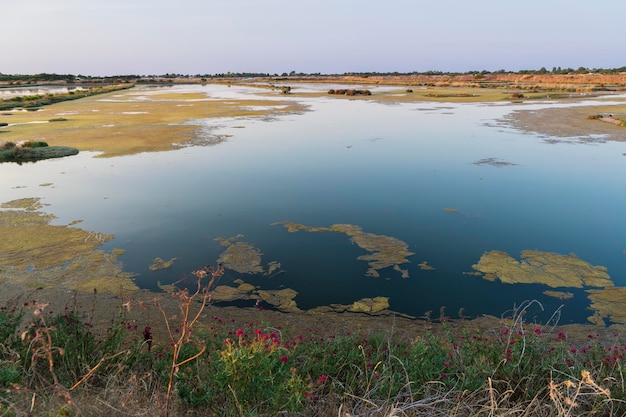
[34, 253]
[535, 267]
[385, 251]
[244, 257]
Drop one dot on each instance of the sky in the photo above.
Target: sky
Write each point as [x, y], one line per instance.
[154, 37]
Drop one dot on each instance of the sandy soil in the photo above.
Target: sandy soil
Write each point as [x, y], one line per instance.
[571, 123]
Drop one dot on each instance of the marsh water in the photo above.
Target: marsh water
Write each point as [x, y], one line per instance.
[393, 170]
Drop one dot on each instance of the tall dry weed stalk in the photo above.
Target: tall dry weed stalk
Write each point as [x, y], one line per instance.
[41, 346]
[182, 335]
[568, 396]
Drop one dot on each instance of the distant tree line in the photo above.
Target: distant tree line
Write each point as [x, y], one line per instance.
[130, 78]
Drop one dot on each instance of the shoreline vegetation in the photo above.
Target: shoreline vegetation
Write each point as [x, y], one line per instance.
[109, 348]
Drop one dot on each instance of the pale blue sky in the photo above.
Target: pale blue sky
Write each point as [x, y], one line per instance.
[114, 37]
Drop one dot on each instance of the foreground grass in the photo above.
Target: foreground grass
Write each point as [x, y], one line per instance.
[58, 363]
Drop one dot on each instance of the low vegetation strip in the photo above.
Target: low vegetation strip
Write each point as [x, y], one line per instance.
[187, 362]
[32, 151]
[38, 100]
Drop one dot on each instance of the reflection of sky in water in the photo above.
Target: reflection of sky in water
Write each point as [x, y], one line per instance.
[389, 169]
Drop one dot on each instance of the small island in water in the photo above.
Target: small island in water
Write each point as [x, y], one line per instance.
[27, 151]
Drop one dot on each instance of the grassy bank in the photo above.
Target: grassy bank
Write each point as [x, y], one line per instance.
[36, 101]
[190, 360]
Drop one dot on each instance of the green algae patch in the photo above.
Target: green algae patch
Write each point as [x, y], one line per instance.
[226, 293]
[424, 266]
[561, 295]
[242, 257]
[376, 305]
[245, 258]
[159, 263]
[608, 303]
[34, 253]
[535, 267]
[28, 204]
[450, 210]
[283, 299]
[384, 251]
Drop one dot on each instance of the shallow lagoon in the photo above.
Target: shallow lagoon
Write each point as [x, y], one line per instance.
[390, 169]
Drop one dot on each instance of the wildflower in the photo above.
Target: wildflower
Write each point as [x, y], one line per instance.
[322, 379]
[284, 359]
[537, 331]
[561, 336]
[239, 332]
[446, 364]
[147, 337]
[443, 376]
[572, 350]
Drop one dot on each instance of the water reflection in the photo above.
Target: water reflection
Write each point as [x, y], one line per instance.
[391, 170]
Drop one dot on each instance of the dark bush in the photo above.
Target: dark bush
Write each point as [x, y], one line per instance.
[36, 144]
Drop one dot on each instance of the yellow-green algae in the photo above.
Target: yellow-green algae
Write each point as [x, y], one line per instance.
[283, 299]
[244, 257]
[34, 253]
[425, 267]
[159, 263]
[608, 303]
[241, 257]
[28, 204]
[365, 305]
[561, 295]
[536, 267]
[385, 251]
